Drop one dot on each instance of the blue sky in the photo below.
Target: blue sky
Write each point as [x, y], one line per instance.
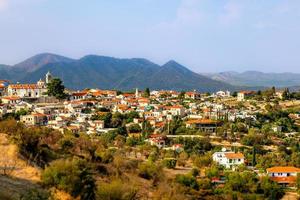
[204, 35]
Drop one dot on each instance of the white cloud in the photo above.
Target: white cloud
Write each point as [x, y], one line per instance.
[188, 14]
[231, 13]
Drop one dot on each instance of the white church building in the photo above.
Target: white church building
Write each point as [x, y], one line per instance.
[30, 90]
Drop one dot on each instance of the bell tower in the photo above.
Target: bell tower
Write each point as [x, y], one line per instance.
[48, 77]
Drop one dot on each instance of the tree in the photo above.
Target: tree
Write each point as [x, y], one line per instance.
[146, 93]
[181, 95]
[286, 94]
[270, 189]
[254, 156]
[56, 89]
[234, 94]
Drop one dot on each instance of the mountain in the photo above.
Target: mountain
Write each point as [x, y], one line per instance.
[4, 72]
[37, 61]
[255, 78]
[94, 71]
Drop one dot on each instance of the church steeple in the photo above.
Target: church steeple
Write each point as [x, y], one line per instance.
[136, 92]
[48, 77]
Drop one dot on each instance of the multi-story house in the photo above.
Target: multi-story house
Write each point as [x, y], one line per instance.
[228, 159]
[241, 96]
[283, 175]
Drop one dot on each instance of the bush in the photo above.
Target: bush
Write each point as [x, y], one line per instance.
[195, 172]
[72, 176]
[106, 156]
[188, 181]
[170, 163]
[35, 194]
[115, 190]
[203, 160]
[149, 170]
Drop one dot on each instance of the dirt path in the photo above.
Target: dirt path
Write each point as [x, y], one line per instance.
[291, 196]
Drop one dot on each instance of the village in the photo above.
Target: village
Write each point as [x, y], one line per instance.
[214, 133]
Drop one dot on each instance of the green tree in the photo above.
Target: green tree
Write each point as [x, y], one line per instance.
[234, 94]
[56, 89]
[134, 128]
[146, 93]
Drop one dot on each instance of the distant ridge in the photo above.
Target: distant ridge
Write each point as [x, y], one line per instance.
[256, 78]
[33, 63]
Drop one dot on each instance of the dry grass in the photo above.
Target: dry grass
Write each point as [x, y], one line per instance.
[290, 196]
[16, 175]
[22, 170]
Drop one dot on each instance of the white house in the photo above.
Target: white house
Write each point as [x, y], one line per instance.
[228, 159]
[223, 94]
[241, 96]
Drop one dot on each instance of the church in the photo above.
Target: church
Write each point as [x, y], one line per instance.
[30, 90]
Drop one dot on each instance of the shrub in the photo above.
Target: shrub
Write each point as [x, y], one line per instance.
[116, 190]
[35, 194]
[169, 163]
[149, 170]
[72, 176]
[188, 181]
[195, 172]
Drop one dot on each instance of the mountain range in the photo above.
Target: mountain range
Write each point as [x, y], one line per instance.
[94, 71]
[255, 78]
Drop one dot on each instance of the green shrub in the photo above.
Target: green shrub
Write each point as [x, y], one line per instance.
[149, 170]
[116, 190]
[35, 194]
[72, 175]
[188, 181]
[170, 163]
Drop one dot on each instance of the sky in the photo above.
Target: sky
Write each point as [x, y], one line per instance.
[204, 35]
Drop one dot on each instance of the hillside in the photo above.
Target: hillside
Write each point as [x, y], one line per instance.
[22, 178]
[255, 78]
[94, 71]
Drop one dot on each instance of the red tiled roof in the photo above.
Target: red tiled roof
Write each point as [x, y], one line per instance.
[283, 170]
[79, 94]
[201, 121]
[247, 92]
[234, 155]
[11, 98]
[24, 86]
